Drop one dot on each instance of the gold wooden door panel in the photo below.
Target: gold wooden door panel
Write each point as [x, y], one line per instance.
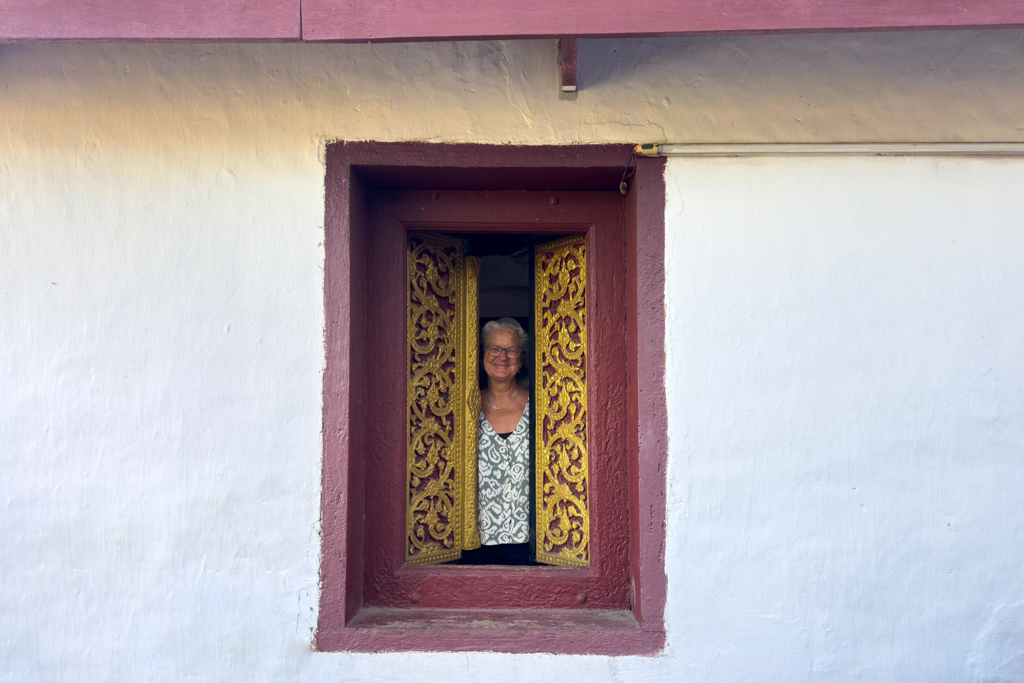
[441, 396]
[470, 392]
[560, 385]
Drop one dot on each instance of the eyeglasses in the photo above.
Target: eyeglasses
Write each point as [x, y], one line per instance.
[495, 351]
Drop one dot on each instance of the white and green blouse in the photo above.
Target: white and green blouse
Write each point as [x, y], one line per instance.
[503, 478]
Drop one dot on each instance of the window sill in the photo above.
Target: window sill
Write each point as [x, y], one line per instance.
[555, 631]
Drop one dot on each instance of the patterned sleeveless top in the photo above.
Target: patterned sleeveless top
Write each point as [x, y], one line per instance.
[503, 480]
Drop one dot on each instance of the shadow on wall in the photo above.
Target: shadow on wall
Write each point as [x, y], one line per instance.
[921, 56]
[605, 62]
[923, 86]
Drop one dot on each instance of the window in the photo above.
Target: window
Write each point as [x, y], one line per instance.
[371, 598]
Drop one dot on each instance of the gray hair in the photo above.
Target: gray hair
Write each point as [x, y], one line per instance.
[506, 324]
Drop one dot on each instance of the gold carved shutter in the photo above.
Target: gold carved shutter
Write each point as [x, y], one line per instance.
[561, 475]
[443, 400]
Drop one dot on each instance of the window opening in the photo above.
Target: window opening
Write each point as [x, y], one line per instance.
[502, 266]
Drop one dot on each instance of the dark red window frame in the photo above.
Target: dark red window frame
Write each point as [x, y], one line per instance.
[369, 601]
[598, 216]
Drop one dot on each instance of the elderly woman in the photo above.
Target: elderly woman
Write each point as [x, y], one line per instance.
[503, 456]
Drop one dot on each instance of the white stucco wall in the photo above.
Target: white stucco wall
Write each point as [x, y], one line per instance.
[844, 353]
[845, 373]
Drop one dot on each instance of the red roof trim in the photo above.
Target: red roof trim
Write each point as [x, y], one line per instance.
[430, 19]
[151, 20]
[412, 20]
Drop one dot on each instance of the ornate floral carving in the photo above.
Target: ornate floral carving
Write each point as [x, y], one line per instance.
[433, 524]
[563, 519]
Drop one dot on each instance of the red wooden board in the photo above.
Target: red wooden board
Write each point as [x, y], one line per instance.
[429, 19]
[277, 20]
[359, 20]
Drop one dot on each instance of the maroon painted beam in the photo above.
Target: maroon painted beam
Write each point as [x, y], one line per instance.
[172, 20]
[398, 20]
[568, 49]
[358, 20]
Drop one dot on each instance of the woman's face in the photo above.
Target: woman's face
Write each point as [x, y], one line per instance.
[501, 367]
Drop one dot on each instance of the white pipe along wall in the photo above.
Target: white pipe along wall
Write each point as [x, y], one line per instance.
[844, 349]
